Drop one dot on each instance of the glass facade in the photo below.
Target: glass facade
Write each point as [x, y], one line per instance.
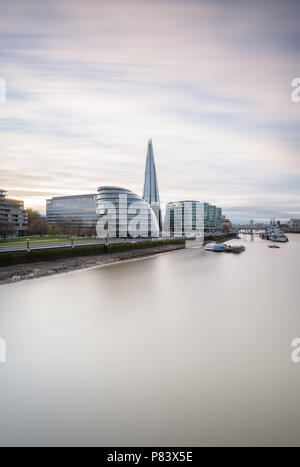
[123, 214]
[184, 218]
[212, 218]
[80, 210]
[12, 212]
[151, 193]
[219, 225]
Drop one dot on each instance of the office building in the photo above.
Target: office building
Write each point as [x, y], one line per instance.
[123, 214]
[13, 216]
[212, 218]
[80, 211]
[184, 218]
[294, 225]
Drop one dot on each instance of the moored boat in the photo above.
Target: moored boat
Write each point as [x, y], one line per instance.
[274, 233]
[234, 248]
[213, 246]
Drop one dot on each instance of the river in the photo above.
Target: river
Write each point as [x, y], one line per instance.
[187, 348]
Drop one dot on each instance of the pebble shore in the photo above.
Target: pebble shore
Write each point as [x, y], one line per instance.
[20, 272]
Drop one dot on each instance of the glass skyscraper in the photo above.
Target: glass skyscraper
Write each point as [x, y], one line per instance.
[151, 193]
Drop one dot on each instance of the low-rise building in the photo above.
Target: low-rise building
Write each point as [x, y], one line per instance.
[294, 224]
[80, 211]
[13, 216]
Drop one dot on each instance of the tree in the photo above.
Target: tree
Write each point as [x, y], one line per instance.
[51, 230]
[37, 225]
[7, 229]
[64, 226]
[227, 226]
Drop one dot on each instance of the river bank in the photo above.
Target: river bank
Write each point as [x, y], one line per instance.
[84, 258]
[20, 272]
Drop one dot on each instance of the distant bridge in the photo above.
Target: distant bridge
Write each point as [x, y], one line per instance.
[250, 232]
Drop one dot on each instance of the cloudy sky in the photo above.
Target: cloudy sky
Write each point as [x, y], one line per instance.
[89, 81]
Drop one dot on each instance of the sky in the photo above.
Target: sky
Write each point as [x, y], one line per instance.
[88, 82]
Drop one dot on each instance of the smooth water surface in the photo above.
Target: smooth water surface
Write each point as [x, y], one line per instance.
[185, 348]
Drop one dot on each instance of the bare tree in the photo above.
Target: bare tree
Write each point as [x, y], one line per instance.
[7, 229]
[64, 226]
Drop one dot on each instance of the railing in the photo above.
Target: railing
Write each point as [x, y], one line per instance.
[69, 243]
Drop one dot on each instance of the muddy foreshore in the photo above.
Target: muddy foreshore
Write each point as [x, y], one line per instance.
[20, 272]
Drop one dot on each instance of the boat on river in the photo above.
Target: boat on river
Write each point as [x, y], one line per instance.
[234, 248]
[219, 247]
[214, 246]
[275, 234]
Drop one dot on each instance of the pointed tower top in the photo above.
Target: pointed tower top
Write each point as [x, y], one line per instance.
[151, 193]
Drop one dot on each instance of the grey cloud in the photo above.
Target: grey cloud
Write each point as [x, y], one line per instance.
[90, 81]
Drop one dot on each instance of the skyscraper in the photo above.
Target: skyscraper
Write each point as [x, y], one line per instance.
[151, 193]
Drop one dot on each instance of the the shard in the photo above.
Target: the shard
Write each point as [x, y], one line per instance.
[151, 193]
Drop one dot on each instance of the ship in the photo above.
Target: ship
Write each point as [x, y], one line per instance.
[274, 233]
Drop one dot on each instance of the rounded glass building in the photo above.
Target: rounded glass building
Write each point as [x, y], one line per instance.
[123, 214]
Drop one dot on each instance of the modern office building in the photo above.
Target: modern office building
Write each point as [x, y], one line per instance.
[123, 214]
[212, 218]
[219, 225]
[151, 192]
[80, 210]
[184, 218]
[12, 212]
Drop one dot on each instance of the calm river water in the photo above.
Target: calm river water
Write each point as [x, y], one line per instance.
[187, 348]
